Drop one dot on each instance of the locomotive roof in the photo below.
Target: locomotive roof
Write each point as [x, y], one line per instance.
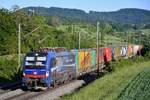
[36, 54]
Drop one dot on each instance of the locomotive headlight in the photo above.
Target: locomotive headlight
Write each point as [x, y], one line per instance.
[24, 74]
[47, 73]
[35, 73]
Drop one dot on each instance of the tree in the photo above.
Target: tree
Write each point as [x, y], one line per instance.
[54, 21]
[7, 32]
[108, 28]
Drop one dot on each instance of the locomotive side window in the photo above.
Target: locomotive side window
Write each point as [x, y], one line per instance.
[53, 62]
[69, 59]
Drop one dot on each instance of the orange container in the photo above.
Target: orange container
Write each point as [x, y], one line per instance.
[86, 60]
[129, 51]
[117, 54]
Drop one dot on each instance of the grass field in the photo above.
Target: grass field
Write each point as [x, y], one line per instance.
[139, 88]
[110, 86]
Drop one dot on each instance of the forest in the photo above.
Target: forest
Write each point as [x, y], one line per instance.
[59, 27]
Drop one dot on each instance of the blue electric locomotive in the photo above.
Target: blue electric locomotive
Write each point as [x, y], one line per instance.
[45, 69]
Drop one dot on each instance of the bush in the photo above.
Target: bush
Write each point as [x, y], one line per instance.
[140, 59]
[122, 63]
[147, 55]
[126, 62]
[9, 69]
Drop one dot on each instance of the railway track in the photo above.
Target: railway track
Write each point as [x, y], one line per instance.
[23, 96]
[10, 94]
[4, 88]
[50, 94]
[53, 94]
[40, 95]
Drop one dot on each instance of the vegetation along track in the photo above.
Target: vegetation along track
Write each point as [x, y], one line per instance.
[6, 87]
[139, 88]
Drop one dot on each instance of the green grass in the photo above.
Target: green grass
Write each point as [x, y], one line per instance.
[111, 85]
[139, 88]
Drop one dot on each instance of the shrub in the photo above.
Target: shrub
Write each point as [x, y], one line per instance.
[147, 55]
[121, 63]
[9, 69]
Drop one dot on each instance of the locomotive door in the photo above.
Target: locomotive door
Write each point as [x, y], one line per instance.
[53, 68]
[56, 64]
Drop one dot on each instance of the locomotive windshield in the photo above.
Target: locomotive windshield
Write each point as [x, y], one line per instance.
[35, 60]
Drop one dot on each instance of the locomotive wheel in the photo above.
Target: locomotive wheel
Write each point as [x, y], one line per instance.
[24, 88]
[54, 84]
[65, 81]
[70, 78]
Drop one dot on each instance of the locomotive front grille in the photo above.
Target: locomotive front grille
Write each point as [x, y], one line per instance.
[34, 83]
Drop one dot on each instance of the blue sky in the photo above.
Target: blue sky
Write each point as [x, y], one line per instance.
[96, 5]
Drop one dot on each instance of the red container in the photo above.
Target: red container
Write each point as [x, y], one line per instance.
[107, 54]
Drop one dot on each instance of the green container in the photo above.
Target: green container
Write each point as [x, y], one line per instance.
[93, 61]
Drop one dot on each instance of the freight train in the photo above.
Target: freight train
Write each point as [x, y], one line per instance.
[49, 67]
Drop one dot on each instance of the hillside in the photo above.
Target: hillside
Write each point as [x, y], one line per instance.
[51, 36]
[122, 16]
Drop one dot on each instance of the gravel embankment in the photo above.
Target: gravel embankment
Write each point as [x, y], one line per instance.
[10, 94]
[9, 89]
[18, 94]
[66, 89]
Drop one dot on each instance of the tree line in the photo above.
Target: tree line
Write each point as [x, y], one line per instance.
[53, 31]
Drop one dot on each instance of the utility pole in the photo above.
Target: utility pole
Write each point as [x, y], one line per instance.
[72, 29]
[126, 33]
[127, 38]
[19, 45]
[98, 48]
[79, 39]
